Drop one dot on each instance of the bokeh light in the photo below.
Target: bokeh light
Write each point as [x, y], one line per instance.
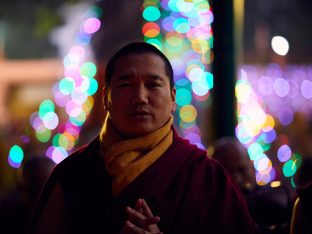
[16, 156]
[284, 153]
[280, 45]
[91, 25]
[182, 30]
[272, 96]
[306, 89]
[289, 168]
[151, 13]
[73, 93]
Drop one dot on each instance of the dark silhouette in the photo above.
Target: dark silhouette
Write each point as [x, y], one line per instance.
[302, 211]
[270, 207]
[16, 208]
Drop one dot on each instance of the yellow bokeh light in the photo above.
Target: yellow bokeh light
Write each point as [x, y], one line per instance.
[174, 39]
[188, 113]
[242, 91]
[269, 123]
[200, 46]
[275, 184]
[252, 129]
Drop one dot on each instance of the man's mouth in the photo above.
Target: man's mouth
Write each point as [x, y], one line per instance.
[140, 113]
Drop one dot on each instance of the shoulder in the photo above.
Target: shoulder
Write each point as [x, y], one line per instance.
[81, 157]
[73, 166]
[212, 190]
[196, 155]
[200, 164]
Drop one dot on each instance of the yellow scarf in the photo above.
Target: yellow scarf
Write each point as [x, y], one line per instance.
[126, 159]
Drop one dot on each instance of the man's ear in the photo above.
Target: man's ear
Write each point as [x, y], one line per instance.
[173, 99]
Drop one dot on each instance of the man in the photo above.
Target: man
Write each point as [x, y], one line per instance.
[234, 157]
[139, 176]
[301, 216]
[301, 213]
[269, 207]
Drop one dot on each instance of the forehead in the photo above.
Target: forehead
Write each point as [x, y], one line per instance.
[144, 62]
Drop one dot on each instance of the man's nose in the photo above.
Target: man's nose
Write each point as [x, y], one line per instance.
[140, 95]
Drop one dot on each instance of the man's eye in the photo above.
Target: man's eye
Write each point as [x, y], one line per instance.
[124, 85]
[154, 85]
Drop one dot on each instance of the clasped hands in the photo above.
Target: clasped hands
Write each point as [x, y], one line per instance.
[141, 220]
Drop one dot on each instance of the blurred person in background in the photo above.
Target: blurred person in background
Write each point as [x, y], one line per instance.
[270, 207]
[17, 206]
[138, 175]
[304, 173]
[234, 157]
[302, 210]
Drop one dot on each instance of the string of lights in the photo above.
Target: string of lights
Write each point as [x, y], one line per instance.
[73, 93]
[182, 30]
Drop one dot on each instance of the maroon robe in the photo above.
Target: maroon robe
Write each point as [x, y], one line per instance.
[188, 191]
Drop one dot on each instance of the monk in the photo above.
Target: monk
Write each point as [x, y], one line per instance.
[139, 175]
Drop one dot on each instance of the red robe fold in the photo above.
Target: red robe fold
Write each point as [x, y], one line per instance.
[188, 191]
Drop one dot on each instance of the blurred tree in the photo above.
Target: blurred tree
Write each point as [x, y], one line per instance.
[27, 25]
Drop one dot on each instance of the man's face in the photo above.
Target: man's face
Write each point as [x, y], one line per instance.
[139, 99]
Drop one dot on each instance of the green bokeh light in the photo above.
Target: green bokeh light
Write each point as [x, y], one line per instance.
[66, 85]
[45, 107]
[173, 5]
[172, 48]
[254, 150]
[88, 69]
[98, 11]
[63, 141]
[183, 97]
[289, 168]
[93, 86]
[292, 182]
[185, 125]
[156, 42]
[183, 83]
[43, 135]
[16, 154]
[297, 159]
[151, 13]
[209, 78]
[181, 25]
[56, 140]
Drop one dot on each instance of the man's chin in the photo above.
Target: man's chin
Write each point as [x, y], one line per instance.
[138, 132]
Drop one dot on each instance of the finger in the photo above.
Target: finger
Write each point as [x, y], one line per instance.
[135, 216]
[139, 204]
[132, 228]
[134, 213]
[146, 210]
[154, 229]
[141, 220]
[150, 221]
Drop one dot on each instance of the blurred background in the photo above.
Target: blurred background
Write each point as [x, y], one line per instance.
[243, 69]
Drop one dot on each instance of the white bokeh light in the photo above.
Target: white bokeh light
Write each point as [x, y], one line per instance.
[280, 45]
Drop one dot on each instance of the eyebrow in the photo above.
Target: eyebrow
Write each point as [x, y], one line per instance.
[155, 77]
[124, 77]
[150, 76]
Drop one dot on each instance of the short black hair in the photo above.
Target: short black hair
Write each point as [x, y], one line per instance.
[132, 49]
